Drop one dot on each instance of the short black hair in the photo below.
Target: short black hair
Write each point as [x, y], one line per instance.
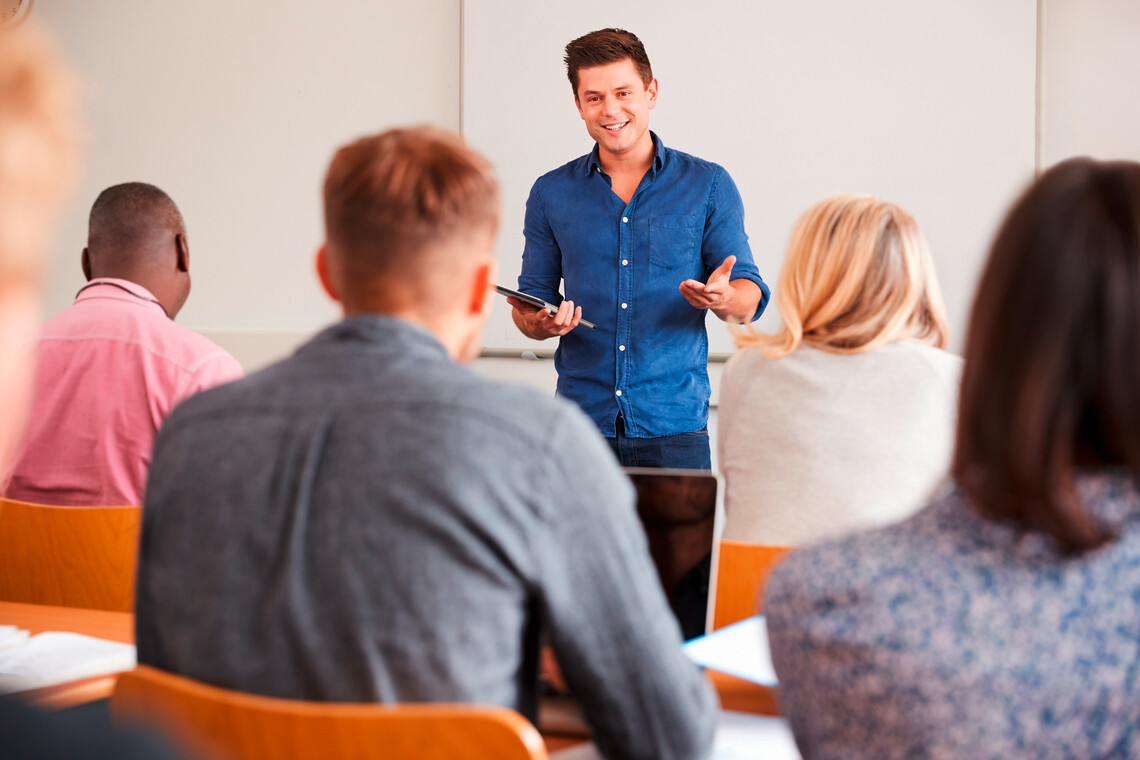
[603, 47]
[127, 215]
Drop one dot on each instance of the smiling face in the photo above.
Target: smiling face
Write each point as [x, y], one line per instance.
[615, 104]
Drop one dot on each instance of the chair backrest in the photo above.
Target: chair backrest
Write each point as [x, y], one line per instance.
[232, 725]
[742, 570]
[69, 556]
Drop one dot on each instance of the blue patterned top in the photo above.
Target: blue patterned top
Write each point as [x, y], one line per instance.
[950, 636]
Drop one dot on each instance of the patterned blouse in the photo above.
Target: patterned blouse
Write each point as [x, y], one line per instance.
[950, 636]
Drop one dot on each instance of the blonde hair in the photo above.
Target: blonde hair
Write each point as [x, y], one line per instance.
[857, 274]
[39, 148]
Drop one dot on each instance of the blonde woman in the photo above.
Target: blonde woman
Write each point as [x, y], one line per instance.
[844, 419]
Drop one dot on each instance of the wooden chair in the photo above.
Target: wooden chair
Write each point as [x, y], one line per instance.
[232, 725]
[742, 570]
[69, 556]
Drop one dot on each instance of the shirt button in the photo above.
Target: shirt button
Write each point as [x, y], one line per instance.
[618, 393]
[624, 219]
[625, 262]
[621, 348]
[625, 306]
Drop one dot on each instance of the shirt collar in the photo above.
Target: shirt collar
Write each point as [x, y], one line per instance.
[115, 290]
[391, 333]
[594, 163]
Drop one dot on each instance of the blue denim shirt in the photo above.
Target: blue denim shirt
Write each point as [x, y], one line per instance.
[624, 264]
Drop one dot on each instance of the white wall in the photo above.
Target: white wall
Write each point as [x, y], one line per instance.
[1090, 71]
[931, 105]
[235, 108]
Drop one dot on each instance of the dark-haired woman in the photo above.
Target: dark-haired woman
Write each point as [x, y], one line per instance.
[1003, 620]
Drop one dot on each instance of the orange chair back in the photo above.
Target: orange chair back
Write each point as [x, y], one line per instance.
[231, 725]
[69, 556]
[742, 571]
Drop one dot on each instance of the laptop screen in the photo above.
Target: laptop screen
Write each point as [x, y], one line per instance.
[679, 510]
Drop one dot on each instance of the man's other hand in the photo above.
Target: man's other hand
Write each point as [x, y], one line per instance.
[732, 300]
[714, 294]
[539, 324]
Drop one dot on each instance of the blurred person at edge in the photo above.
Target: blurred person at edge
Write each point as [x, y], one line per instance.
[39, 159]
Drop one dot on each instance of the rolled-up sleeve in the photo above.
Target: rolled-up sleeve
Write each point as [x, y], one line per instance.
[724, 236]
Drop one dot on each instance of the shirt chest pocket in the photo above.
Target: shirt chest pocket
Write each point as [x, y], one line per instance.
[675, 241]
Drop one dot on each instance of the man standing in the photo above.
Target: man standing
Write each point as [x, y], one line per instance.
[111, 367]
[646, 240]
[369, 520]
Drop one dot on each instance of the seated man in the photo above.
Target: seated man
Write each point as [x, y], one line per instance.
[369, 520]
[111, 367]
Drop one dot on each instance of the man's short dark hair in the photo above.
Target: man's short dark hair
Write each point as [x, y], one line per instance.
[127, 215]
[602, 47]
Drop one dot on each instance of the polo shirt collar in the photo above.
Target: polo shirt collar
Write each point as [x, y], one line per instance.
[117, 289]
[594, 163]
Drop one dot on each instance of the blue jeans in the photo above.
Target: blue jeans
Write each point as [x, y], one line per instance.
[685, 451]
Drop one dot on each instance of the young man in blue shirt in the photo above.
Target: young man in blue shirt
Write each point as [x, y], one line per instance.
[645, 240]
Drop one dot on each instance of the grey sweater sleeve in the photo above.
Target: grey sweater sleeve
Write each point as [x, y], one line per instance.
[615, 638]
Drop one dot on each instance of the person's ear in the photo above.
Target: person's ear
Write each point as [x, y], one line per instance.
[651, 92]
[85, 262]
[477, 310]
[182, 250]
[324, 275]
[480, 303]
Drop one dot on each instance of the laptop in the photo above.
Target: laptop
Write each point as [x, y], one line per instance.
[682, 512]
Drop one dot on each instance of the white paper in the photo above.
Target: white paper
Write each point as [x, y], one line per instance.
[739, 736]
[740, 649]
[11, 636]
[52, 657]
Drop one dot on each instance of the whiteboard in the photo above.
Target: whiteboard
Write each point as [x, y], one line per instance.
[930, 105]
[234, 109]
[1088, 105]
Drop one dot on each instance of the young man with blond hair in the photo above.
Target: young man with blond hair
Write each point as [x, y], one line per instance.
[369, 520]
[646, 240]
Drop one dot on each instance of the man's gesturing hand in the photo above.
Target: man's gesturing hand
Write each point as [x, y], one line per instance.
[539, 324]
[716, 293]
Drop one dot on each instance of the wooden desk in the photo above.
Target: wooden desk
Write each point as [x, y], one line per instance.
[738, 695]
[37, 618]
[735, 693]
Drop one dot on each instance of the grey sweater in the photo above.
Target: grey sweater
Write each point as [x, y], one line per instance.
[369, 521]
[816, 445]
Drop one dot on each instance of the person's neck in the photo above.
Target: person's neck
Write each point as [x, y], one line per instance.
[634, 162]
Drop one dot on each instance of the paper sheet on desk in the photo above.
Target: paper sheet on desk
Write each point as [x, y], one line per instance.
[739, 736]
[740, 649]
[53, 657]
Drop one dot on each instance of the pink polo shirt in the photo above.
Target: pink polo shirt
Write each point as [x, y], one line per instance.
[108, 372]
